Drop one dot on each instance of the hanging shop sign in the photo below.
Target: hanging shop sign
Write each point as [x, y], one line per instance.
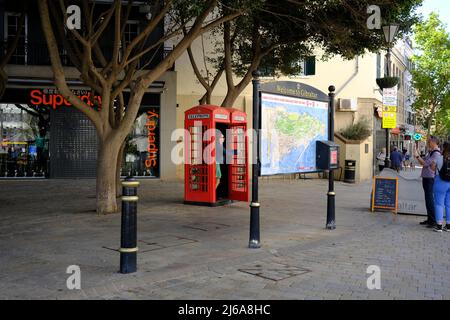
[390, 98]
[389, 108]
[152, 155]
[389, 120]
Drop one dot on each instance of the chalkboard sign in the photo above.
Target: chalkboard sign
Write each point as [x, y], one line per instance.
[385, 193]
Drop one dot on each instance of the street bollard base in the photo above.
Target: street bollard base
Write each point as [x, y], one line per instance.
[128, 263]
[331, 226]
[254, 244]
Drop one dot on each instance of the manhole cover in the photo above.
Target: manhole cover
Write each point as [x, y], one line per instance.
[274, 271]
[158, 243]
[206, 226]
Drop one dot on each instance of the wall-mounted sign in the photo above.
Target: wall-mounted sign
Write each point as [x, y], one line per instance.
[220, 116]
[294, 89]
[198, 116]
[152, 150]
[52, 98]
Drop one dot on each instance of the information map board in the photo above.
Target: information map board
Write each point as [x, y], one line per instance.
[385, 194]
[293, 117]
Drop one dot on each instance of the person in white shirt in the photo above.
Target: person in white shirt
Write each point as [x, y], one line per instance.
[381, 159]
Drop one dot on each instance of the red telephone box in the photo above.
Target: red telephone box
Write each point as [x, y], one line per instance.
[203, 124]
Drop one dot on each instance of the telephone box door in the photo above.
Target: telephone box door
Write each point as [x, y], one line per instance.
[238, 173]
[197, 171]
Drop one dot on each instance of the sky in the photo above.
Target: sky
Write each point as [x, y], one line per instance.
[442, 7]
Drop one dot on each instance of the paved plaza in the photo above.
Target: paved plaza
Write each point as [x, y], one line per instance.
[192, 252]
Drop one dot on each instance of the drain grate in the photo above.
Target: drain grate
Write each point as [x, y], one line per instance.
[159, 243]
[206, 226]
[274, 271]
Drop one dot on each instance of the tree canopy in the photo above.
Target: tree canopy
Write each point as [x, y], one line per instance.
[431, 74]
[276, 35]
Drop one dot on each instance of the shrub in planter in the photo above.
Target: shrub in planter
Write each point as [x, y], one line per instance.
[360, 130]
[387, 82]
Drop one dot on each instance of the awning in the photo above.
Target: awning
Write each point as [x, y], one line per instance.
[395, 131]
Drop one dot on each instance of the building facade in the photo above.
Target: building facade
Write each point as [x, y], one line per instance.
[43, 136]
[357, 94]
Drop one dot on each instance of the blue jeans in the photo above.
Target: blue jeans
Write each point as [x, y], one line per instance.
[427, 184]
[441, 192]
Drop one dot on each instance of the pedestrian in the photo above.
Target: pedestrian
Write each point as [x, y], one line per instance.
[428, 175]
[396, 159]
[405, 158]
[441, 189]
[219, 157]
[381, 159]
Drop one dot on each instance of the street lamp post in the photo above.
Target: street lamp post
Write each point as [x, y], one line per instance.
[389, 31]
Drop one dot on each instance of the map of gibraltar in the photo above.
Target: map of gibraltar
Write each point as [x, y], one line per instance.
[290, 128]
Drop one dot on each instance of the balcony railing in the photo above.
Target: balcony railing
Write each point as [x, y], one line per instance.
[36, 54]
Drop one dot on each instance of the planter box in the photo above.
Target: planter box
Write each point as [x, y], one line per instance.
[356, 150]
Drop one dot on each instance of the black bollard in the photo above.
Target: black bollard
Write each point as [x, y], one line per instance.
[254, 242]
[331, 223]
[128, 237]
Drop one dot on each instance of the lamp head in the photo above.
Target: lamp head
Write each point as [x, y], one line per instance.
[390, 31]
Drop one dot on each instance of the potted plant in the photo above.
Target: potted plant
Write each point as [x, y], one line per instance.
[387, 82]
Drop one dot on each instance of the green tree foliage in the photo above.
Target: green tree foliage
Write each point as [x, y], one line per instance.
[431, 74]
[277, 34]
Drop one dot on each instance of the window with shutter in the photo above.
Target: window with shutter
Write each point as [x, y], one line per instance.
[310, 66]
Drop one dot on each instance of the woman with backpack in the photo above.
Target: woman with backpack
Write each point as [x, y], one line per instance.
[441, 189]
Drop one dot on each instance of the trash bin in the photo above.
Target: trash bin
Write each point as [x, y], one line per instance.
[349, 171]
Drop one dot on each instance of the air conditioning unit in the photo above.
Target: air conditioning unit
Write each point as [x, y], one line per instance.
[347, 105]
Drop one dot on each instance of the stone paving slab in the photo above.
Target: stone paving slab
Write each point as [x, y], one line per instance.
[190, 252]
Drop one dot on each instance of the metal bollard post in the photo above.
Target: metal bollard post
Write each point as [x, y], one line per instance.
[254, 241]
[128, 234]
[331, 195]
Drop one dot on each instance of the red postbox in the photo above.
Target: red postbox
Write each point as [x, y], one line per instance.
[203, 127]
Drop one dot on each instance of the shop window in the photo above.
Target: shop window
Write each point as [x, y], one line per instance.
[24, 141]
[142, 146]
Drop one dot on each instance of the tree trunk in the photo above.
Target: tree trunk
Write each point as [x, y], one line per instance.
[106, 176]
[119, 165]
[230, 98]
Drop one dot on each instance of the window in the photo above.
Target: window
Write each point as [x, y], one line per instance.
[141, 154]
[308, 66]
[131, 31]
[267, 71]
[12, 21]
